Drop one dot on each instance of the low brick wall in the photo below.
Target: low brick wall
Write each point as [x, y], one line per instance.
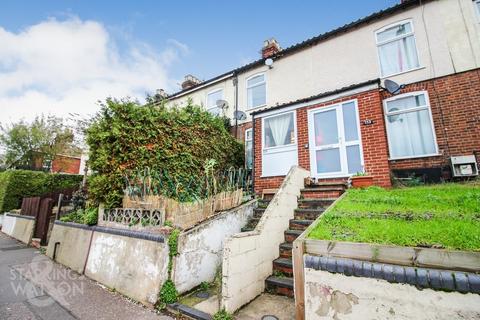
[73, 244]
[18, 227]
[133, 263]
[337, 296]
[248, 256]
[200, 249]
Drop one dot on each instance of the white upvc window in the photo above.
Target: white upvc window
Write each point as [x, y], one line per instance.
[212, 98]
[279, 130]
[249, 148]
[477, 8]
[397, 50]
[256, 91]
[410, 128]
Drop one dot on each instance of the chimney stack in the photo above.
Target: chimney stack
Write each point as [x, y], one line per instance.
[160, 94]
[270, 47]
[190, 81]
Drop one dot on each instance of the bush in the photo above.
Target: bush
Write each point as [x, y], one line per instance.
[17, 184]
[126, 136]
[87, 216]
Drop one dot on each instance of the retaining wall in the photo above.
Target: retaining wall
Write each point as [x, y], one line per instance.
[248, 256]
[200, 249]
[18, 227]
[133, 263]
[74, 244]
[337, 296]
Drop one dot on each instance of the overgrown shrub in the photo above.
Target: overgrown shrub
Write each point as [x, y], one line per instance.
[126, 136]
[17, 184]
[88, 216]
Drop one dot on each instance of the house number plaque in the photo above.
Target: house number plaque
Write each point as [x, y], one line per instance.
[367, 122]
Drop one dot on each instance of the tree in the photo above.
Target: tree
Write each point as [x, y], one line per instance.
[26, 143]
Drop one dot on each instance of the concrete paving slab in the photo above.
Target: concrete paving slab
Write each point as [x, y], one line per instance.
[266, 304]
[209, 306]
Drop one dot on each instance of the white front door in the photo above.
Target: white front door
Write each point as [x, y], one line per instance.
[334, 140]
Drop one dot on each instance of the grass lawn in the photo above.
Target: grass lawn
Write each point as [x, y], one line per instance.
[440, 216]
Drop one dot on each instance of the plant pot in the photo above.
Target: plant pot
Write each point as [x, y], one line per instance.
[362, 181]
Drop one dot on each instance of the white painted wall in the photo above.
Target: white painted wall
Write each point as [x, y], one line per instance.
[200, 249]
[336, 296]
[8, 224]
[452, 44]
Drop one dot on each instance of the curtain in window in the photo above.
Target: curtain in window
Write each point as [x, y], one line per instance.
[398, 56]
[279, 129]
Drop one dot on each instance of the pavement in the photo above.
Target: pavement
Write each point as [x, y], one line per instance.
[282, 308]
[34, 287]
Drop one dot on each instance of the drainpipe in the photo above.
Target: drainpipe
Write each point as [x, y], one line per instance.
[253, 154]
[235, 83]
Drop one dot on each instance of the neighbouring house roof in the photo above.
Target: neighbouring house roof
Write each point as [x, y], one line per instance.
[406, 4]
[318, 96]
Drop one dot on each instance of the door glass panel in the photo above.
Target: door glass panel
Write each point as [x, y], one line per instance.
[350, 122]
[354, 160]
[326, 130]
[328, 160]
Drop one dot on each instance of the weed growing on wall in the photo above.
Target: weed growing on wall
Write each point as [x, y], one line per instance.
[125, 136]
[222, 315]
[168, 292]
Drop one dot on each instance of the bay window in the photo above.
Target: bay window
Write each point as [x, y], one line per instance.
[410, 127]
[212, 98]
[256, 91]
[397, 50]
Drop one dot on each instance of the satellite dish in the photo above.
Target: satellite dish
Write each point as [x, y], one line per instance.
[240, 115]
[222, 104]
[392, 87]
[269, 62]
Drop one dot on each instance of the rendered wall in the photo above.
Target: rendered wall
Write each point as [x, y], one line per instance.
[336, 296]
[248, 256]
[18, 227]
[134, 267]
[201, 248]
[74, 245]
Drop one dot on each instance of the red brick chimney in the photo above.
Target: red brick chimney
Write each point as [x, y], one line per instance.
[190, 81]
[270, 47]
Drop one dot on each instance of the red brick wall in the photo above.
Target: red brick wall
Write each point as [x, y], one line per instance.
[62, 164]
[455, 104]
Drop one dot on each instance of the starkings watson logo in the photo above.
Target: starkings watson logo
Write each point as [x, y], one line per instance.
[43, 283]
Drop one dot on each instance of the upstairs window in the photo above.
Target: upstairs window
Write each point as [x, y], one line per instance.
[397, 50]
[256, 91]
[410, 128]
[212, 98]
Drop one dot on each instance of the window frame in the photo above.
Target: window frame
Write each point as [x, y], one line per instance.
[207, 107]
[427, 106]
[476, 3]
[379, 44]
[246, 139]
[285, 146]
[247, 87]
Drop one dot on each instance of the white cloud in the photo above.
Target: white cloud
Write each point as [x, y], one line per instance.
[66, 66]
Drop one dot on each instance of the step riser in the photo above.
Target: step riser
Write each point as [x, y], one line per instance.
[287, 271]
[290, 238]
[298, 226]
[281, 291]
[320, 205]
[285, 253]
[321, 194]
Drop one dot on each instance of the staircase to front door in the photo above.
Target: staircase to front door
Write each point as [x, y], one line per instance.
[313, 201]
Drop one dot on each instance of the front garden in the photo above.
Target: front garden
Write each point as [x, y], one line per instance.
[437, 216]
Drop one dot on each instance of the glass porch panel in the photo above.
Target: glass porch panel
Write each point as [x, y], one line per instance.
[326, 129]
[354, 159]
[350, 121]
[328, 160]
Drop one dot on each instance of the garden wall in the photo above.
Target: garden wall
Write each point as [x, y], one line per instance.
[133, 263]
[74, 244]
[248, 256]
[18, 227]
[337, 296]
[200, 249]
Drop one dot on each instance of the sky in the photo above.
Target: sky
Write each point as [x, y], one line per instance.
[61, 57]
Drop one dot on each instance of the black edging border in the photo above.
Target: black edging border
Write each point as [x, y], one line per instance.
[446, 280]
[189, 311]
[119, 232]
[19, 216]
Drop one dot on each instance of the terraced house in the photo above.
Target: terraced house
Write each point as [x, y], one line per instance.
[323, 104]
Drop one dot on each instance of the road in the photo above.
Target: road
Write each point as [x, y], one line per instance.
[33, 287]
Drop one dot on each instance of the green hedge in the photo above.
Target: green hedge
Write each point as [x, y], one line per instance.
[128, 136]
[17, 184]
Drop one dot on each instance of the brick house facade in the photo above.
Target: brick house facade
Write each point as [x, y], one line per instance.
[455, 108]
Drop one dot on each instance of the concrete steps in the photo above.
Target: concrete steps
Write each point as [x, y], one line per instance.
[279, 285]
